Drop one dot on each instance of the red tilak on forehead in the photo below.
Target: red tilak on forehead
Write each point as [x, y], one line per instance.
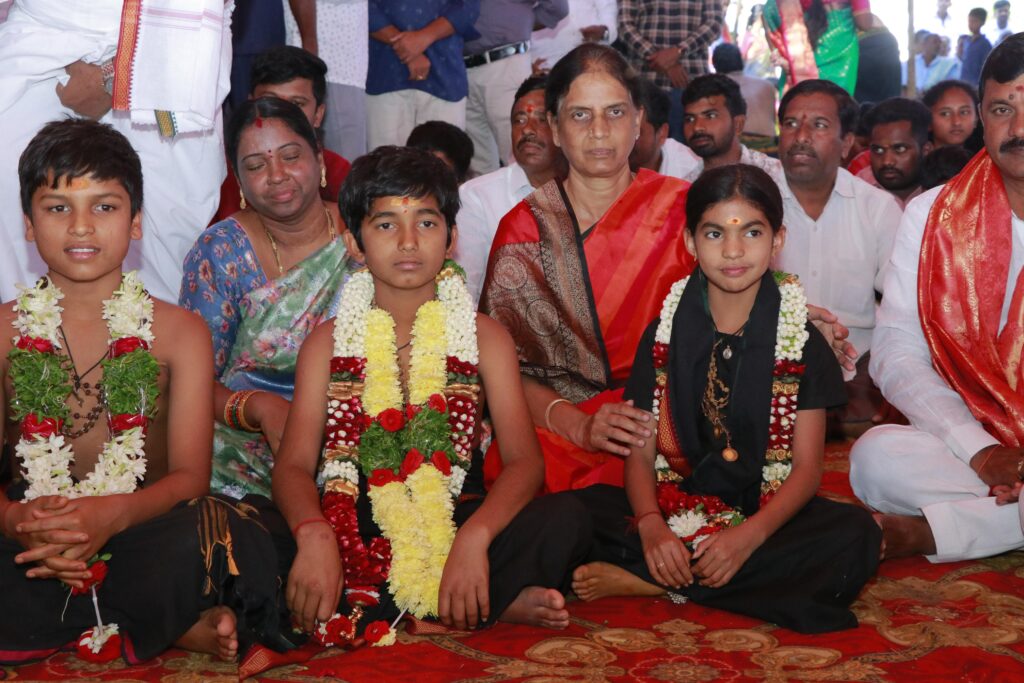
[259, 122]
[530, 109]
[405, 201]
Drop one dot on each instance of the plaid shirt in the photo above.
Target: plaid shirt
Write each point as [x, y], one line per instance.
[646, 26]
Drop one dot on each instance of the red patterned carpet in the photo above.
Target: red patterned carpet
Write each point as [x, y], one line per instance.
[919, 622]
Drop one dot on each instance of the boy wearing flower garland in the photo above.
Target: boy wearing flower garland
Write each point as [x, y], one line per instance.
[738, 382]
[387, 398]
[107, 401]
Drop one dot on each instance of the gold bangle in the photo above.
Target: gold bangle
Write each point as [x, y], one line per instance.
[547, 412]
[228, 408]
[240, 410]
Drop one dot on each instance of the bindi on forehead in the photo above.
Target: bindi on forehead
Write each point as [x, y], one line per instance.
[734, 221]
[399, 203]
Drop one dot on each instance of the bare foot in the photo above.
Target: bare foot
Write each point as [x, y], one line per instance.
[538, 606]
[214, 634]
[904, 536]
[603, 580]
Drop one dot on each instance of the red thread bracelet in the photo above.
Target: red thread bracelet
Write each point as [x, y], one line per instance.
[311, 520]
[636, 520]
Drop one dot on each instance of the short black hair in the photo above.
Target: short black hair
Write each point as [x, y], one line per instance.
[72, 148]
[940, 165]
[529, 85]
[655, 102]
[585, 58]
[846, 105]
[286, 63]
[253, 112]
[391, 171]
[1004, 63]
[935, 93]
[734, 180]
[727, 58]
[979, 13]
[450, 140]
[896, 109]
[710, 85]
[999, 4]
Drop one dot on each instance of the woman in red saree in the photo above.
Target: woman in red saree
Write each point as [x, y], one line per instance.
[580, 267]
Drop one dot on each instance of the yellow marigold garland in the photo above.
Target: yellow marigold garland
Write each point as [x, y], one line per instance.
[383, 389]
[427, 372]
[409, 578]
[429, 491]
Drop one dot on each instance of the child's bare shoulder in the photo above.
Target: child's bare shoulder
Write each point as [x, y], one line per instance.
[320, 341]
[493, 340]
[176, 329]
[490, 330]
[7, 331]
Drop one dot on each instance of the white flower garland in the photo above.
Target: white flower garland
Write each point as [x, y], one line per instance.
[357, 300]
[790, 337]
[47, 461]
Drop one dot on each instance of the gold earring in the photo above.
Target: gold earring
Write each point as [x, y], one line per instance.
[241, 203]
[323, 176]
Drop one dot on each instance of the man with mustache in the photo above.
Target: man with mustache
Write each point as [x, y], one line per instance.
[948, 350]
[714, 114]
[840, 229]
[654, 149]
[487, 198]
[898, 130]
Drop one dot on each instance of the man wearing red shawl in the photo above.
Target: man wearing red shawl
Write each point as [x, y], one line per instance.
[947, 350]
[577, 302]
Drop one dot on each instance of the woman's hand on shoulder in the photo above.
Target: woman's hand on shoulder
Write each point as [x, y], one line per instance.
[615, 428]
[667, 558]
[316, 579]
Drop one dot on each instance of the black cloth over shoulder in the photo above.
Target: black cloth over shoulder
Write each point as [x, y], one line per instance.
[748, 373]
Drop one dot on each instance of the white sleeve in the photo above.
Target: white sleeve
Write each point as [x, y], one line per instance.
[887, 222]
[901, 362]
[474, 242]
[608, 14]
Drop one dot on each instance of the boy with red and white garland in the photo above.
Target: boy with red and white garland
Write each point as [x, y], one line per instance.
[385, 419]
[107, 402]
[737, 382]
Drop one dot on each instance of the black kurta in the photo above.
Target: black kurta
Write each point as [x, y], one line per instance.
[806, 574]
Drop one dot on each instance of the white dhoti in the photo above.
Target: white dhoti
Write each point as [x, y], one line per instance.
[181, 175]
[902, 470]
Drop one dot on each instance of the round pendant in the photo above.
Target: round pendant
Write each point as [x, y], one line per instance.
[727, 353]
[730, 455]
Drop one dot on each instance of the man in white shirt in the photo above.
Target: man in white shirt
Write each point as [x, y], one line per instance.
[654, 149]
[588, 21]
[1000, 29]
[487, 198]
[947, 350]
[59, 60]
[714, 114]
[839, 230]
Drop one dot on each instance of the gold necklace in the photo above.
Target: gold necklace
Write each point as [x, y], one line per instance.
[273, 242]
[714, 401]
